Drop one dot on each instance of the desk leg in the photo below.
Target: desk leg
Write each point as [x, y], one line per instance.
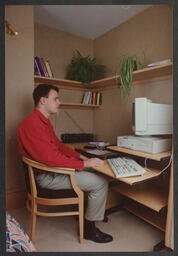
[169, 221]
[167, 243]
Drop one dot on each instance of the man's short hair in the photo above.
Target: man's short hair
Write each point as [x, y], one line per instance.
[42, 90]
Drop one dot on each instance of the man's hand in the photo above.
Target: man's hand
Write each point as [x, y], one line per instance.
[93, 162]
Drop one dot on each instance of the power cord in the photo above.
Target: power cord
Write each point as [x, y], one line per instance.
[164, 167]
[167, 165]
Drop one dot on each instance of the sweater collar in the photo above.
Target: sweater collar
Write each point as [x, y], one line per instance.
[41, 116]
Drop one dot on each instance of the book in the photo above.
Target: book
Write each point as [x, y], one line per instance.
[39, 66]
[100, 100]
[44, 65]
[85, 98]
[94, 98]
[41, 62]
[89, 97]
[49, 68]
[37, 70]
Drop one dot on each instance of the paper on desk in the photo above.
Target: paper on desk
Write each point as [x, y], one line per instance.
[98, 152]
[104, 144]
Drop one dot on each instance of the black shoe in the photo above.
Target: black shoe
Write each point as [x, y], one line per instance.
[97, 236]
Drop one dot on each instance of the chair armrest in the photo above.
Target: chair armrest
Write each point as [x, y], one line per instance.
[47, 168]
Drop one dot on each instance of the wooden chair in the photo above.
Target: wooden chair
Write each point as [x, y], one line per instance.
[34, 197]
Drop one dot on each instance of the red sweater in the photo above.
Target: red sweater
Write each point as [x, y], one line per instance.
[37, 140]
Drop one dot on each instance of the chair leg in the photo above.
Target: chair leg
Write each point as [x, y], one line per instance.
[33, 221]
[81, 217]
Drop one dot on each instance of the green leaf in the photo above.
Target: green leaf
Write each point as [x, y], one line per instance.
[126, 71]
[84, 69]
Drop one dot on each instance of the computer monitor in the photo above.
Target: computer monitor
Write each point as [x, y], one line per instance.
[152, 118]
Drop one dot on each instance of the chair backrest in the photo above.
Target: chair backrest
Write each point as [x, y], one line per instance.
[27, 179]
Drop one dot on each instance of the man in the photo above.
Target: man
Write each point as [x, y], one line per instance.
[37, 140]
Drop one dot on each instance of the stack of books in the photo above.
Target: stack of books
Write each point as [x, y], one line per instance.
[42, 67]
[94, 98]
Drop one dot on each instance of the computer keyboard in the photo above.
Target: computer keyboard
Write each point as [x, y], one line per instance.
[125, 167]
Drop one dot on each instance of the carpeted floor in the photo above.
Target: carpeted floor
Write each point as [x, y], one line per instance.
[59, 234]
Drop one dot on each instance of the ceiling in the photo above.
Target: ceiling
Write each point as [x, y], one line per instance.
[89, 21]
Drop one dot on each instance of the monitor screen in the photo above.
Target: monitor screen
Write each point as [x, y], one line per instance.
[151, 118]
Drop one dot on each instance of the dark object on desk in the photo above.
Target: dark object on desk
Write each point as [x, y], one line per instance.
[76, 137]
[90, 146]
[105, 156]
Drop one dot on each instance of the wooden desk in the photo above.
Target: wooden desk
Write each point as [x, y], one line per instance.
[146, 200]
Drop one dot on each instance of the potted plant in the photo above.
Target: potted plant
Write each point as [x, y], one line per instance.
[128, 65]
[84, 69]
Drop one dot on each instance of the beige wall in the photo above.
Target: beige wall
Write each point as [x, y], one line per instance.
[58, 46]
[149, 32]
[19, 51]
[72, 120]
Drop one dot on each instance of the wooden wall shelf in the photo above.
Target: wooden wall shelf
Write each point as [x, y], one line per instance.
[61, 83]
[145, 75]
[79, 106]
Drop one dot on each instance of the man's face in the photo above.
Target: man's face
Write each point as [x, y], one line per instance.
[52, 102]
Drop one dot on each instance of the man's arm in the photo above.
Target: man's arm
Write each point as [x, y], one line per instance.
[37, 142]
[87, 162]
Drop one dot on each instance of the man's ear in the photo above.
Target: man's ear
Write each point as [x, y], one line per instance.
[43, 100]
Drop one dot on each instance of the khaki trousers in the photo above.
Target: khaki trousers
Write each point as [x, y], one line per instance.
[88, 181]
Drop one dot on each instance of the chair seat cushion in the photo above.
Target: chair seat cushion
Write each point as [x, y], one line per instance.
[49, 193]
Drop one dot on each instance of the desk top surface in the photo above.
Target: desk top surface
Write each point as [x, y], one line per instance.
[151, 173]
